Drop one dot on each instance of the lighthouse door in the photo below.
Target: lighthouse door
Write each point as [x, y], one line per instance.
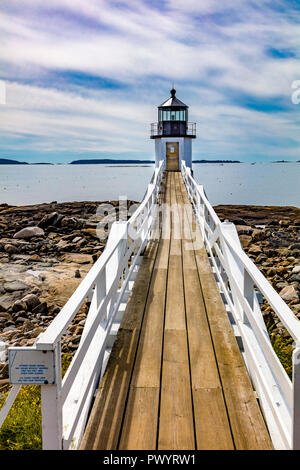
[172, 156]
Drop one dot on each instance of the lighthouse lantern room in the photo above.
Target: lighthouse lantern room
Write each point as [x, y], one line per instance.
[173, 134]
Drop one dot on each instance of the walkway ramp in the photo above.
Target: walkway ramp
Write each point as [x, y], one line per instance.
[176, 379]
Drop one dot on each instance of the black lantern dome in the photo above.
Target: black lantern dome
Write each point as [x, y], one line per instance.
[172, 119]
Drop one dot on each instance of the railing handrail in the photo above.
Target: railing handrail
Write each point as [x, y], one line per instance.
[285, 314]
[280, 307]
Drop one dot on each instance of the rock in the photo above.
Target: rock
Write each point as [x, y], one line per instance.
[31, 300]
[5, 315]
[19, 306]
[295, 246]
[14, 286]
[78, 258]
[52, 219]
[26, 303]
[9, 328]
[289, 293]
[70, 222]
[20, 320]
[10, 249]
[8, 300]
[260, 258]
[20, 313]
[244, 229]
[238, 221]
[245, 240]
[40, 308]
[62, 244]
[271, 272]
[270, 252]
[258, 235]
[36, 332]
[284, 222]
[273, 222]
[91, 232]
[30, 232]
[281, 270]
[34, 257]
[281, 285]
[77, 273]
[254, 250]
[296, 270]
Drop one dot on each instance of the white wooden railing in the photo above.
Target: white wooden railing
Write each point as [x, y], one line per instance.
[66, 402]
[241, 283]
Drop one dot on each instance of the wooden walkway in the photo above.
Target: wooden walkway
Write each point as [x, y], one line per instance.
[176, 379]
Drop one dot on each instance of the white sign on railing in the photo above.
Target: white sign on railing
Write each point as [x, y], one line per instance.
[31, 366]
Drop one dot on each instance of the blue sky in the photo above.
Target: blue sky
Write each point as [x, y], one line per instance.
[84, 77]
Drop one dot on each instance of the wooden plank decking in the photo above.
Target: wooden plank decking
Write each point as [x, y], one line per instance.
[176, 379]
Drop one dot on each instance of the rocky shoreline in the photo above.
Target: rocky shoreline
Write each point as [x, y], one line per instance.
[46, 250]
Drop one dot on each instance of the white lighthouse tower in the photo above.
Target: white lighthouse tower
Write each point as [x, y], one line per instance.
[173, 134]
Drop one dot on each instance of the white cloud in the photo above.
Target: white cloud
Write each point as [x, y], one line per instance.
[144, 48]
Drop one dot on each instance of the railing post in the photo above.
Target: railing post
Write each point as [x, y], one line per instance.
[52, 408]
[296, 399]
[248, 290]
[233, 268]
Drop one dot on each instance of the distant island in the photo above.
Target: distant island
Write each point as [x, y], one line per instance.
[7, 161]
[106, 161]
[216, 161]
[109, 161]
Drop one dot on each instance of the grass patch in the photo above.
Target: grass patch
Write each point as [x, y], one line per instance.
[22, 429]
[283, 349]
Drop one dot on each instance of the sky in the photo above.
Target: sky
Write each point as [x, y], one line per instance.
[83, 78]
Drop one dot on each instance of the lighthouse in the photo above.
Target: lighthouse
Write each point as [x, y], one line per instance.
[173, 134]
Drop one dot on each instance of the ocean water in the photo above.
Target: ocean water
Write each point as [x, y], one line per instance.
[259, 184]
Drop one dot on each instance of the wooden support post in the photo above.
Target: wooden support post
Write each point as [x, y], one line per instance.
[234, 269]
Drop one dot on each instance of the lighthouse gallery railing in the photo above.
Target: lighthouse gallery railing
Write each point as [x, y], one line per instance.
[66, 402]
[241, 283]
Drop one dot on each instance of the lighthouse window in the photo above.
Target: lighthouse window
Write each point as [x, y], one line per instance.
[177, 115]
[173, 115]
